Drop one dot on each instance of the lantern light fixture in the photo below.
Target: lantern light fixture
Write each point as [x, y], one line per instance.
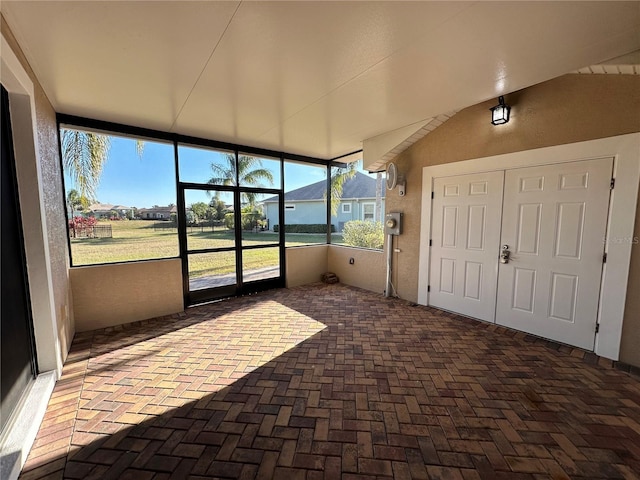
[500, 113]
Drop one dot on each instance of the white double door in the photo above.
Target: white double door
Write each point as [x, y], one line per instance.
[551, 219]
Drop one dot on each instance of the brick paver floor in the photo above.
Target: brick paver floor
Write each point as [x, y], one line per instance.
[332, 382]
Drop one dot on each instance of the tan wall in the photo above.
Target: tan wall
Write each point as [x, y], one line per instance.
[368, 270]
[108, 295]
[568, 109]
[306, 264]
[52, 200]
[629, 351]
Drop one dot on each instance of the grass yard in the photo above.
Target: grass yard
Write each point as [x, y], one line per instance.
[139, 240]
[132, 240]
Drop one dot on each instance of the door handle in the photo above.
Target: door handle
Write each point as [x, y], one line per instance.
[505, 254]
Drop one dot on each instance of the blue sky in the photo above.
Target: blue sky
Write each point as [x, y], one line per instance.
[142, 182]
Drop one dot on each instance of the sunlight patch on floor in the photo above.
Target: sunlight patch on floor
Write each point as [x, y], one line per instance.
[127, 386]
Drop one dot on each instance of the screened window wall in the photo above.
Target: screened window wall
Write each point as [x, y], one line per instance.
[121, 196]
[357, 206]
[305, 204]
[223, 195]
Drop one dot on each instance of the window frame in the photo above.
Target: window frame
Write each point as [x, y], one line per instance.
[363, 213]
[128, 131]
[345, 210]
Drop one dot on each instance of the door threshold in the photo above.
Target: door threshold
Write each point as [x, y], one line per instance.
[23, 427]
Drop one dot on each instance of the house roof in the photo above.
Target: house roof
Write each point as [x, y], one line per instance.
[105, 207]
[172, 209]
[359, 186]
[98, 207]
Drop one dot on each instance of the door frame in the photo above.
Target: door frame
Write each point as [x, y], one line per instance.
[240, 287]
[625, 150]
[49, 338]
[14, 204]
[30, 179]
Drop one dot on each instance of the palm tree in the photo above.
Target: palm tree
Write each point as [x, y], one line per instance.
[84, 155]
[339, 176]
[249, 172]
[76, 202]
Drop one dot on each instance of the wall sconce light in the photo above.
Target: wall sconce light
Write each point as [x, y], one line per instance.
[500, 113]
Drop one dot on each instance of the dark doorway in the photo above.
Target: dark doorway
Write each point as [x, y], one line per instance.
[18, 361]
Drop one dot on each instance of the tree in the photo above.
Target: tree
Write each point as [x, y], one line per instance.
[217, 209]
[76, 202]
[191, 217]
[249, 172]
[360, 233]
[339, 176]
[251, 217]
[199, 209]
[84, 155]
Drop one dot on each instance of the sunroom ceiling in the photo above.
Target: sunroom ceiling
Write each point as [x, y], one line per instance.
[312, 78]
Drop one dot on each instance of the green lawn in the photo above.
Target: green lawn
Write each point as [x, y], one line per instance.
[139, 240]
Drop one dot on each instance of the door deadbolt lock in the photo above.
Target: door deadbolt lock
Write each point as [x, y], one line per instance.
[505, 254]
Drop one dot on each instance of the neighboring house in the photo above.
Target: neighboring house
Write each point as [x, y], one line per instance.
[157, 213]
[105, 210]
[307, 205]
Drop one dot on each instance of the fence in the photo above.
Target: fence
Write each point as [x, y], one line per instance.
[196, 227]
[91, 231]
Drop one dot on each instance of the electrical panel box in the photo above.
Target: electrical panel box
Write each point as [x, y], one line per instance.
[393, 223]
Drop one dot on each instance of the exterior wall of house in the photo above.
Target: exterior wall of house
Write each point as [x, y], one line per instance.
[568, 109]
[357, 208]
[316, 211]
[306, 264]
[367, 271]
[52, 202]
[271, 212]
[126, 292]
[305, 212]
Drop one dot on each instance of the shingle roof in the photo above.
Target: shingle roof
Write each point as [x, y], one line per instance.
[158, 209]
[359, 186]
[100, 207]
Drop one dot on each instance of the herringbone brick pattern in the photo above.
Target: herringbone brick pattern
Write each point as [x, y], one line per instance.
[331, 382]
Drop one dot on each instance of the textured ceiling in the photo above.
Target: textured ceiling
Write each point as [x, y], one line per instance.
[312, 78]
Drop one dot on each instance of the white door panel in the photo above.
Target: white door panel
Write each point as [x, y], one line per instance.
[554, 221]
[465, 243]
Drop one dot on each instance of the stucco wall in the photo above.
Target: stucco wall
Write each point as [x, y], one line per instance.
[306, 264]
[52, 200]
[368, 270]
[629, 351]
[108, 295]
[568, 109]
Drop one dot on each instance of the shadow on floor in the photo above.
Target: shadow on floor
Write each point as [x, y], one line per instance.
[332, 382]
